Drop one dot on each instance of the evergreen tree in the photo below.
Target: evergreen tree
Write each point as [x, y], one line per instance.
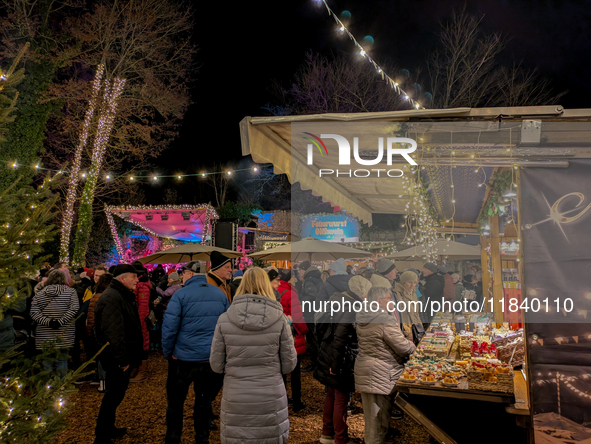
[32, 401]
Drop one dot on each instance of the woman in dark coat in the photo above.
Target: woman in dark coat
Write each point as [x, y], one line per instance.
[253, 346]
[337, 341]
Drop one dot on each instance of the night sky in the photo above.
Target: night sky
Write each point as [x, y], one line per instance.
[243, 47]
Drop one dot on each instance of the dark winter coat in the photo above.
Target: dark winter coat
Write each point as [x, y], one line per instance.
[292, 307]
[235, 284]
[190, 320]
[433, 290]
[117, 322]
[334, 284]
[338, 345]
[253, 346]
[310, 288]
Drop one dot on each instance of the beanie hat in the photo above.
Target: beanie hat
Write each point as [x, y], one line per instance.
[174, 276]
[408, 276]
[122, 269]
[441, 269]
[285, 275]
[273, 274]
[380, 281]
[385, 266]
[304, 265]
[431, 267]
[197, 267]
[415, 271]
[218, 260]
[359, 285]
[339, 267]
[238, 273]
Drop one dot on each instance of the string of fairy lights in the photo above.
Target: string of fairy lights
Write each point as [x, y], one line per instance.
[150, 177]
[363, 52]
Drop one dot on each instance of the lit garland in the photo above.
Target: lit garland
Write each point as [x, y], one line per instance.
[363, 53]
[68, 218]
[420, 218]
[103, 132]
[135, 177]
[210, 214]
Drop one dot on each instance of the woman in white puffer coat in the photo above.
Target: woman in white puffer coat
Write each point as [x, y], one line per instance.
[253, 346]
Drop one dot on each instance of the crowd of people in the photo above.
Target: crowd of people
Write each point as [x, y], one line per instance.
[244, 331]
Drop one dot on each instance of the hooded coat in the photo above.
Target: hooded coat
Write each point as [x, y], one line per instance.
[383, 350]
[337, 283]
[253, 346]
[338, 345]
[292, 307]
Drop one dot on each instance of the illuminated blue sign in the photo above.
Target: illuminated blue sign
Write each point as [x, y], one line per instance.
[331, 228]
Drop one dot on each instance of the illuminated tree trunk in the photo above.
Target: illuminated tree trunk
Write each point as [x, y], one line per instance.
[111, 95]
[68, 216]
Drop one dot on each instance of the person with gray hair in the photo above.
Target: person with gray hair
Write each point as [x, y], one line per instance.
[117, 325]
[53, 309]
[383, 349]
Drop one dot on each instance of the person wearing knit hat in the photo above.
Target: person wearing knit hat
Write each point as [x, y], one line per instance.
[337, 282]
[404, 291]
[430, 267]
[339, 267]
[360, 286]
[220, 272]
[378, 280]
[387, 268]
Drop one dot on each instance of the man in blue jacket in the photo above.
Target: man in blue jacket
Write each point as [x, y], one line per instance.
[187, 332]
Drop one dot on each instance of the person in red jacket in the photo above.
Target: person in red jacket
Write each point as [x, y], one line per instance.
[142, 299]
[293, 310]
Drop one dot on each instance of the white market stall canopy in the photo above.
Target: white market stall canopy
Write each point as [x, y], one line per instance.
[310, 249]
[186, 253]
[472, 141]
[449, 249]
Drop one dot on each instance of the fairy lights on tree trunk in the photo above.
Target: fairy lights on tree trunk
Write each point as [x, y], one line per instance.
[108, 110]
[75, 172]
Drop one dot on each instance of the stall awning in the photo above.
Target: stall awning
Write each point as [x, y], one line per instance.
[498, 137]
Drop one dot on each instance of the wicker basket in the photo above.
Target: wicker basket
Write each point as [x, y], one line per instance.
[484, 381]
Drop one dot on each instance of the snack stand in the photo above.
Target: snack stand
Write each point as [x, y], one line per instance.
[465, 365]
[469, 163]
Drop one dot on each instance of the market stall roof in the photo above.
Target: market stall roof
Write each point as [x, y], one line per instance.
[310, 248]
[186, 253]
[471, 141]
[187, 223]
[449, 249]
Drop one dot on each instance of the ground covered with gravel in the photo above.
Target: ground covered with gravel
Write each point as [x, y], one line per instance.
[143, 412]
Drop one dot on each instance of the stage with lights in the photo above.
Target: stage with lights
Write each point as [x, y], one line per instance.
[187, 223]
